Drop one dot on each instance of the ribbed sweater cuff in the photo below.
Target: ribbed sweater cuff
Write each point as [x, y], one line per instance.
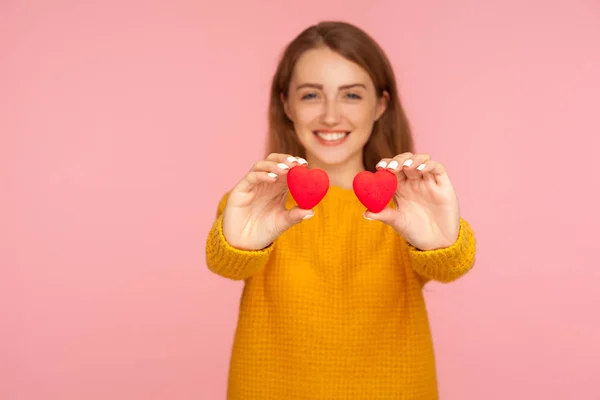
[449, 263]
[229, 262]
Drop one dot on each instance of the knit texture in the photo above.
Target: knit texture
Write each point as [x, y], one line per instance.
[334, 309]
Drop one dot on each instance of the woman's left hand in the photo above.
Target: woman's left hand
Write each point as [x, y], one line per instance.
[427, 213]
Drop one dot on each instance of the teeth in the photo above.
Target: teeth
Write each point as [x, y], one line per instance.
[331, 136]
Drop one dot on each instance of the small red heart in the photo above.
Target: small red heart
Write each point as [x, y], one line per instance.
[308, 187]
[375, 190]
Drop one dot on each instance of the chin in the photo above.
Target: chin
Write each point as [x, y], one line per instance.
[334, 158]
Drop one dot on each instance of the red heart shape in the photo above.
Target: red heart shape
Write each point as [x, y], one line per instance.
[308, 187]
[375, 190]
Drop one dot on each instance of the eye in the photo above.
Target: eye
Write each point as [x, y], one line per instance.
[354, 96]
[309, 96]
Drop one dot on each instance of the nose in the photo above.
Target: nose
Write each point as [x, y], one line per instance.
[331, 114]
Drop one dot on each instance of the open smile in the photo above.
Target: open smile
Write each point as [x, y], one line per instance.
[331, 138]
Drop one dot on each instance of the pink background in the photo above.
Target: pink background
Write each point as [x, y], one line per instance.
[123, 122]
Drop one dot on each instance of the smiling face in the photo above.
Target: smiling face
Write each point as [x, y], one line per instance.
[333, 105]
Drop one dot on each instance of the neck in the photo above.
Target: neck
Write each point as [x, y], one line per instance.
[342, 174]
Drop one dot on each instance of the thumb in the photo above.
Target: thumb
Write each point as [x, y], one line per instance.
[292, 217]
[297, 214]
[387, 215]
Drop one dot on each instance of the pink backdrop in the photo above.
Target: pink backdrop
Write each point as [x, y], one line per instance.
[109, 186]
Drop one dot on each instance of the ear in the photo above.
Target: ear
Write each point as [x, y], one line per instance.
[382, 103]
[286, 107]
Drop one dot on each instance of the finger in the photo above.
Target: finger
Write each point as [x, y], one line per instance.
[291, 217]
[395, 163]
[383, 163]
[254, 178]
[433, 170]
[413, 166]
[286, 159]
[278, 168]
[269, 170]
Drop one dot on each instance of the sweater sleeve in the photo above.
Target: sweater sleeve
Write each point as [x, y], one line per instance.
[447, 264]
[227, 261]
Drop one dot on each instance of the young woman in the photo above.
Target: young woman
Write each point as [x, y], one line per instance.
[332, 306]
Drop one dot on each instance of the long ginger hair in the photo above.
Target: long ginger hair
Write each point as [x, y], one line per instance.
[391, 134]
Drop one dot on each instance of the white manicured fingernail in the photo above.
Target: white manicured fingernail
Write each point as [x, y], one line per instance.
[302, 160]
[381, 164]
[421, 167]
[307, 216]
[292, 159]
[283, 166]
[393, 164]
[367, 218]
[272, 174]
[407, 163]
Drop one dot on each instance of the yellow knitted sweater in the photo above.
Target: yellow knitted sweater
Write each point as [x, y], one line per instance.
[333, 309]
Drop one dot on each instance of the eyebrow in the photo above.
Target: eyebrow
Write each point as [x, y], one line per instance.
[319, 86]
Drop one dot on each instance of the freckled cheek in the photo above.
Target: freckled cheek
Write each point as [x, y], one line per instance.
[307, 115]
[358, 116]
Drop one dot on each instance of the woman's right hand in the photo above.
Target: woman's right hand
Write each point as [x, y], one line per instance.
[256, 213]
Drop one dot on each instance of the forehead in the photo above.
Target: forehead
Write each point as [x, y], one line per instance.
[325, 67]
